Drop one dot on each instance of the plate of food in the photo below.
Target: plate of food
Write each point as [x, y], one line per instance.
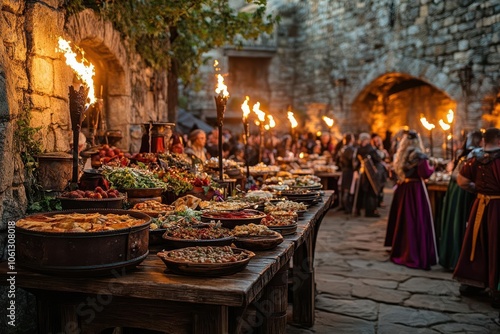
[256, 237]
[206, 261]
[153, 208]
[230, 219]
[280, 225]
[190, 236]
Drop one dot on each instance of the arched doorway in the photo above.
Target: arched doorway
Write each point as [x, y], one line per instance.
[394, 101]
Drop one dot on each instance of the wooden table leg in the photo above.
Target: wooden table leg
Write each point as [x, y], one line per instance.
[303, 284]
[274, 303]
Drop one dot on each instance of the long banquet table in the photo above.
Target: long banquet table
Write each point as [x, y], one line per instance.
[150, 297]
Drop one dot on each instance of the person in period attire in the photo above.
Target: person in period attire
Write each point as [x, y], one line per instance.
[349, 172]
[382, 167]
[367, 195]
[478, 266]
[410, 228]
[196, 148]
[212, 143]
[456, 207]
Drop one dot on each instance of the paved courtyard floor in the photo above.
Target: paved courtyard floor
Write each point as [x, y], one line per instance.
[359, 290]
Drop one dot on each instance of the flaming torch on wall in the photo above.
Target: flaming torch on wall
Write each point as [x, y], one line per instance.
[220, 102]
[79, 100]
[428, 126]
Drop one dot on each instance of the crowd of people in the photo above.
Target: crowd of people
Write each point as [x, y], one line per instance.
[468, 240]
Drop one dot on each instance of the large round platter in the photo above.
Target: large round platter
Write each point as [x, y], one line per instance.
[311, 187]
[284, 229]
[183, 267]
[231, 219]
[258, 243]
[301, 213]
[83, 253]
[91, 203]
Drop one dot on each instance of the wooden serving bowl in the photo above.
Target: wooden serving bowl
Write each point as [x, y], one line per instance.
[206, 269]
[258, 243]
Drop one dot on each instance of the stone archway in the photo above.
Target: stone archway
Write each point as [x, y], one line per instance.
[395, 100]
[396, 94]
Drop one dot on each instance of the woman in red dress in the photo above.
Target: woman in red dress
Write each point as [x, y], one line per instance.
[410, 228]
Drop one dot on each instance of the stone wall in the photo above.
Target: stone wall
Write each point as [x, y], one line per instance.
[320, 41]
[34, 79]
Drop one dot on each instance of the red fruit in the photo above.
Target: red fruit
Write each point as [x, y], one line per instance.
[112, 195]
[98, 189]
[102, 153]
[97, 195]
[110, 153]
[105, 146]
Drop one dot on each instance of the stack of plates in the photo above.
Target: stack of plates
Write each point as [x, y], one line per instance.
[303, 196]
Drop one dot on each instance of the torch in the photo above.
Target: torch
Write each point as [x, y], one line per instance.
[77, 113]
[79, 100]
[445, 128]
[449, 117]
[246, 128]
[261, 115]
[220, 102]
[428, 126]
[293, 124]
[329, 122]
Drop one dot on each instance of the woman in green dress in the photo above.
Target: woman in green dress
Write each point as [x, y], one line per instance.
[456, 208]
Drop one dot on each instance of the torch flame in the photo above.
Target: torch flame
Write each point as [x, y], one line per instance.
[426, 124]
[444, 126]
[293, 121]
[246, 108]
[272, 123]
[83, 72]
[260, 114]
[449, 116]
[221, 87]
[329, 121]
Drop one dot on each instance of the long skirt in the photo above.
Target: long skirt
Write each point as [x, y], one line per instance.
[410, 228]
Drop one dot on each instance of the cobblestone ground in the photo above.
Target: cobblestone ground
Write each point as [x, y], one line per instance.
[361, 291]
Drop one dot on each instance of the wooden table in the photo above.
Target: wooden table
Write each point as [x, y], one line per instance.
[330, 182]
[148, 297]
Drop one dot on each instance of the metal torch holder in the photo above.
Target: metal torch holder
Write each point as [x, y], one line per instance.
[77, 114]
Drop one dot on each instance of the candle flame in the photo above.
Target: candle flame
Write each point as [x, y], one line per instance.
[246, 108]
[449, 137]
[329, 121]
[260, 114]
[301, 155]
[221, 87]
[426, 124]
[449, 116]
[272, 123]
[293, 121]
[83, 72]
[443, 125]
